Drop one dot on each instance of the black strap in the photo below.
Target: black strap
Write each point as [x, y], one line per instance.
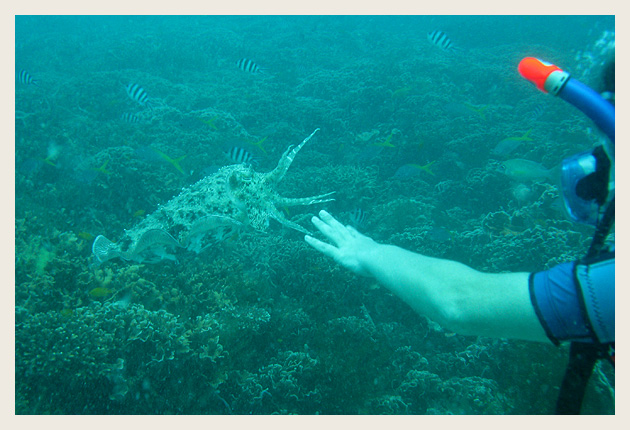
[582, 359]
[583, 356]
[603, 228]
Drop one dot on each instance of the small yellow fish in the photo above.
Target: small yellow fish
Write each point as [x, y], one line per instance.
[210, 122]
[173, 161]
[101, 169]
[509, 144]
[100, 292]
[387, 142]
[138, 213]
[259, 144]
[66, 312]
[48, 161]
[402, 92]
[85, 235]
[509, 232]
[477, 110]
[426, 167]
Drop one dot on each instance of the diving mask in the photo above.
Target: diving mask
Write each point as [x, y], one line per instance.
[587, 185]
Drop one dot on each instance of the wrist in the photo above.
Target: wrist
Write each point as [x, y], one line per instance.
[370, 257]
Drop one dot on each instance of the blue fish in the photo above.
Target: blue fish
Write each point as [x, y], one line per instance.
[248, 66]
[148, 154]
[25, 78]
[509, 144]
[439, 235]
[527, 171]
[408, 171]
[138, 95]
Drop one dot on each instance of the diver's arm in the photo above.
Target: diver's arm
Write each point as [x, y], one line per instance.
[454, 295]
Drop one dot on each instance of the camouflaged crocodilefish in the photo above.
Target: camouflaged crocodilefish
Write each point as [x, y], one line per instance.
[234, 197]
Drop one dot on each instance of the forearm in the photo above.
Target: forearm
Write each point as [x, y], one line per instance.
[427, 284]
[454, 295]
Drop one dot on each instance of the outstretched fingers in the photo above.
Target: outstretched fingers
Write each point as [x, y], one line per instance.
[330, 227]
[346, 246]
[323, 247]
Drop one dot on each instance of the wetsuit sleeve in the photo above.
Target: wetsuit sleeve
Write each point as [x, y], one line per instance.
[575, 301]
[554, 296]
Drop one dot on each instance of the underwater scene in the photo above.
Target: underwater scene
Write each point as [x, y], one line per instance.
[167, 168]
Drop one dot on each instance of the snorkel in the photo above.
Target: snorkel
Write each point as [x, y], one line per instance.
[550, 78]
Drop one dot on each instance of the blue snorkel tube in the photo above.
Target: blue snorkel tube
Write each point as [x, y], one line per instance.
[551, 79]
[600, 110]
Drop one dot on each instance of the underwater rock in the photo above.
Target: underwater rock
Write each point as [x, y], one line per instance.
[234, 197]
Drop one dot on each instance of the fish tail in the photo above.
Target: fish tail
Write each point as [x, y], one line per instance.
[175, 164]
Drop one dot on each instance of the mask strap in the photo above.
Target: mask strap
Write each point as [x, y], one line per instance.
[603, 229]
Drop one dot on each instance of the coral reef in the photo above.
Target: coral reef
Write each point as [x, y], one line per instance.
[259, 323]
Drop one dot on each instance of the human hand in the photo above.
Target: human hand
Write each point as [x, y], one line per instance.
[349, 246]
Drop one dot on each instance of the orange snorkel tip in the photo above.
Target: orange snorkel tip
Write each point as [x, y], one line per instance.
[537, 72]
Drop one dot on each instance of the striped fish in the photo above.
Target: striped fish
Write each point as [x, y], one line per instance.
[130, 117]
[138, 94]
[538, 111]
[240, 155]
[358, 217]
[441, 40]
[248, 66]
[25, 78]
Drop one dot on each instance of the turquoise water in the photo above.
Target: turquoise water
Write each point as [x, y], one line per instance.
[260, 323]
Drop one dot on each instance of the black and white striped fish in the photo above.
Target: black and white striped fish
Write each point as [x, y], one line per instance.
[25, 78]
[537, 112]
[358, 217]
[248, 66]
[138, 94]
[240, 155]
[441, 40]
[130, 117]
